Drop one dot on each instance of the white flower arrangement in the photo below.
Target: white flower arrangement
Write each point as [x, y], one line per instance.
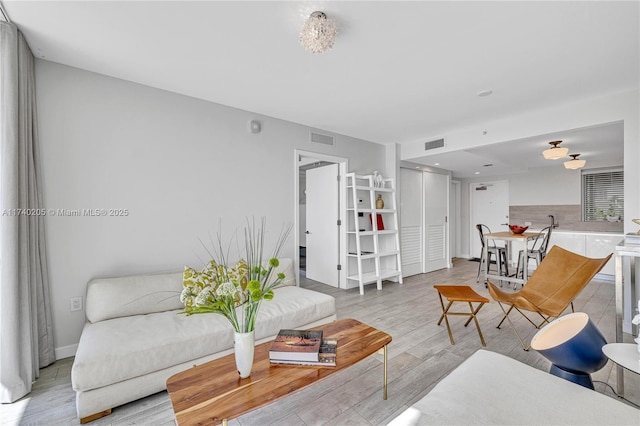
[220, 288]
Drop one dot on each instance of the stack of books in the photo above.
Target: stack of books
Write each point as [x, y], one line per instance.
[303, 347]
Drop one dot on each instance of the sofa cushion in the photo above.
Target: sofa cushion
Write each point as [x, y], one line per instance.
[109, 298]
[122, 348]
[290, 308]
[134, 295]
[286, 267]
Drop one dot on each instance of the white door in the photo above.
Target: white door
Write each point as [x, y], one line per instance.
[436, 212]
[454, 220]
[322, 233]
[411, 221]
[489, 206]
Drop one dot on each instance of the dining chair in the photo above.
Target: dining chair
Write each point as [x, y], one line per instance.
[537, 252]
[498, 253]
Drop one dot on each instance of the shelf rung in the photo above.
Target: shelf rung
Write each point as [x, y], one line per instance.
[389, 274]
[368, 277]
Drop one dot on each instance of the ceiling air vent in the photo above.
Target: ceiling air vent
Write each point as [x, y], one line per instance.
[438, 143]
[320, 138]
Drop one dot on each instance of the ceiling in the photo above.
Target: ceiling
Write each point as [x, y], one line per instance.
[598, 145]
[399, 71]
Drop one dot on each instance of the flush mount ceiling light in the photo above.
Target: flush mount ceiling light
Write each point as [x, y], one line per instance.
[555, 152]
[574, 163]
[318, 33]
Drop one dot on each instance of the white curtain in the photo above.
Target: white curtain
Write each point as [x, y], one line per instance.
[26, 332]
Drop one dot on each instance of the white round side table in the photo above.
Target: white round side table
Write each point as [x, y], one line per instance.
[624, 354]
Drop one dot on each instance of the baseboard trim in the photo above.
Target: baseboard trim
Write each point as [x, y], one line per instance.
[66, 351]
[605, 277]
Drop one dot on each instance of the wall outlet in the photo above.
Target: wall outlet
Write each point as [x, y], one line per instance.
[527, 224]
[75, 304]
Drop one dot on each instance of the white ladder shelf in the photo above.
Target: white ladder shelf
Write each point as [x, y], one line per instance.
[372, 234]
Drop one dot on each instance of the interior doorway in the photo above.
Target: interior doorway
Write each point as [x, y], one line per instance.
[318, 235]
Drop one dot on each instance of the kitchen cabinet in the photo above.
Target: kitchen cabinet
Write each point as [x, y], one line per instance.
[590, 244]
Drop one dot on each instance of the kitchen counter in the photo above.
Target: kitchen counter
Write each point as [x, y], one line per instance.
[572, 231]
[587, 243]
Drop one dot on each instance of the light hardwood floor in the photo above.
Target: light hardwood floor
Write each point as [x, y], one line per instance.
[419, 356]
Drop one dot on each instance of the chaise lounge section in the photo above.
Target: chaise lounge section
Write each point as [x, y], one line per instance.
[491, 389]
[135, 337]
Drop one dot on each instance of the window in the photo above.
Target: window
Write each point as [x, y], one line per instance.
[603, 195]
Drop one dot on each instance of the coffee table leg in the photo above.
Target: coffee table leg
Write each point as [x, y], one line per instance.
[384, 394]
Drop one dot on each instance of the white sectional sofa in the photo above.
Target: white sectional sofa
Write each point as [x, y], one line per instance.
[492, 389]
[135, 339]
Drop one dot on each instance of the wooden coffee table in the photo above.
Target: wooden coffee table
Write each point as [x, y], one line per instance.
[213, 393]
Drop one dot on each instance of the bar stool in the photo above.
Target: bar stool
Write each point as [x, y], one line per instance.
[499, 253]
[460, 293]
[538, 251]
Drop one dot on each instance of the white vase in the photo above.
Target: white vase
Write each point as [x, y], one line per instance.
[244, 344]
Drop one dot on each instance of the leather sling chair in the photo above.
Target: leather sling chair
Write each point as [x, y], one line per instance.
[553, 286]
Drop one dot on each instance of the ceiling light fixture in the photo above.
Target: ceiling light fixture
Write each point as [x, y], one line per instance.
[555, 152]
[574, 163]
[318, 33]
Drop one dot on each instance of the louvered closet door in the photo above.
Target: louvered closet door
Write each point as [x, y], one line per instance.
[411, 221]
[436, 211]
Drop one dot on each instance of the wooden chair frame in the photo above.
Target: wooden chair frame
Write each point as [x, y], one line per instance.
[460, 293]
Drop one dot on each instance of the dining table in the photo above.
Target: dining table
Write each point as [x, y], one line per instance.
[509, 237]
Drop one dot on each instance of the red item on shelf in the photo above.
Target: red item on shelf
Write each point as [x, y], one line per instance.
[379, 221]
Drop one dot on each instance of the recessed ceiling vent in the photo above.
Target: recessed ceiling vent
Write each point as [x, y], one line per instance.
[320, 138]
[438, 143]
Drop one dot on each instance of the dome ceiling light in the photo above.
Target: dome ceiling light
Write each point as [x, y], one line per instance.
[555, 152]
[574, 163]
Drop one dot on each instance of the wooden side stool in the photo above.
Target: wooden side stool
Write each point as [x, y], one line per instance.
[460, 293]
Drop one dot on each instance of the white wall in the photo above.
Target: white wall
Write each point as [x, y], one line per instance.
[542, 186]
[178, 164]
[545, 186]
[550, 185]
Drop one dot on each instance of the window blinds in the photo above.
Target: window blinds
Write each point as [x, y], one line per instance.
[603, 195]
